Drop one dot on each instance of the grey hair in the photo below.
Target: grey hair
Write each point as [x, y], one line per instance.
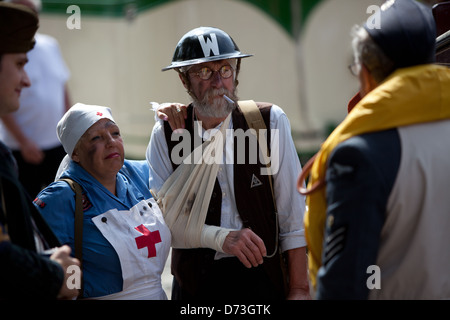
[367, 52]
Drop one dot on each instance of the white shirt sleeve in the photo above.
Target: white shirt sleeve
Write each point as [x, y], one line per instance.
[286, 169]
[158, 159]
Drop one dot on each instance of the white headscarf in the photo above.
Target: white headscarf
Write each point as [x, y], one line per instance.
[75, 122]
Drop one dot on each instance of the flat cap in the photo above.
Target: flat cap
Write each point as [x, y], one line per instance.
[18, 24]
[407, 33]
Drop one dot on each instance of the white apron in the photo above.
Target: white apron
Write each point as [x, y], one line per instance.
[142, 241]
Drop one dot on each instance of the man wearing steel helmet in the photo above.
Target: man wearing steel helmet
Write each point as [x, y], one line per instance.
[24, 236]
[208, 62]
[379, 229]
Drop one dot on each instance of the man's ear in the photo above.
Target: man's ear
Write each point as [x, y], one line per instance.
[367, 81]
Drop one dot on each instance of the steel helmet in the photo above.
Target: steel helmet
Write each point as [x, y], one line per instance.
[204, 44]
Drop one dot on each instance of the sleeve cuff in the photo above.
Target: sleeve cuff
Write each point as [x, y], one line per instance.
[213, 237]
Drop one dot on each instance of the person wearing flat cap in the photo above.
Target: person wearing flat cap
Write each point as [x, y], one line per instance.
[28, 268]
[378, 207]
[125, 241]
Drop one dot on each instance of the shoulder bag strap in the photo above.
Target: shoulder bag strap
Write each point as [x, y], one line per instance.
[78, 222]
[255, 121]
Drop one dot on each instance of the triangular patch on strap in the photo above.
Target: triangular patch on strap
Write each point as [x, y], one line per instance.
[255, 182]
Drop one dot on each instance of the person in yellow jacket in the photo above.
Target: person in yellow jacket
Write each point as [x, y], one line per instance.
[378, 206]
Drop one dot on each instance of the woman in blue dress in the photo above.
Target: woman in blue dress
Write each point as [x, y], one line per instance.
[125, 239]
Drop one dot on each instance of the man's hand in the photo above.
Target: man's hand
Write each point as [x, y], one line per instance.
[246, 246]
[175, 113]
[62, 256]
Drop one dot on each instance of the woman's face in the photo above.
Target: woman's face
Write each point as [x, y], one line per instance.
[100, 150]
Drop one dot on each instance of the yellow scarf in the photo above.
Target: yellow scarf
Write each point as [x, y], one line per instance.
[409, 96]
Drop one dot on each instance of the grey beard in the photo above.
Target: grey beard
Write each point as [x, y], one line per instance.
[219, 108]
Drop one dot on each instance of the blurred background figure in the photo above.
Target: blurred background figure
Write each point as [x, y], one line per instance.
[30, 132]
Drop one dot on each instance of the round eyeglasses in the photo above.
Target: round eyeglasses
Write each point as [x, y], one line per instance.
[206, 73]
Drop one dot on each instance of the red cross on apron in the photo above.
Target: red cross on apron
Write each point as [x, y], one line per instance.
[149, 239]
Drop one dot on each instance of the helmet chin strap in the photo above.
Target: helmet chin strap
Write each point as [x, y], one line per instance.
[187, 83]
[194, 98]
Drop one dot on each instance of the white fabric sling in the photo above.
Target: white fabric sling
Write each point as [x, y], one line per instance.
[184, 197]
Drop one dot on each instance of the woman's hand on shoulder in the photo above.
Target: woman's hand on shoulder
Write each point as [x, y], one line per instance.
[175, 113]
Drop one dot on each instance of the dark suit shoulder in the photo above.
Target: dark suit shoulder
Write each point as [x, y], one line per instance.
[371, 157]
